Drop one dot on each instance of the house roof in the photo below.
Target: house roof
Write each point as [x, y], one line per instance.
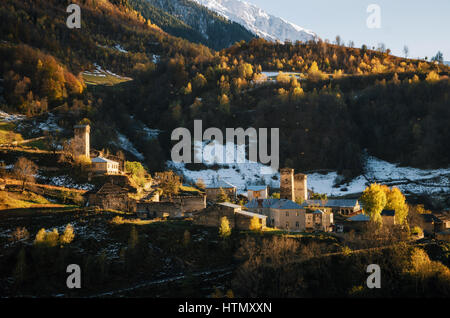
[341, 203]
[103, 160]
[220, 184]
[388, 213]
[257, 187]
[280, 204]
[251, 214]
[359, 218]
[230, 205]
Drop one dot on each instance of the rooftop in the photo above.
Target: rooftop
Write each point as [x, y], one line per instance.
[257, 187]
[342, 203]
[251, 214]
[359, 218]
[280, 204]
[103, 160]
[230, 205]
[220, 184]
[388, 213]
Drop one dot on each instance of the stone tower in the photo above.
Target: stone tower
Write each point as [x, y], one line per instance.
[287, 184]
[81, 140]
[293, 187]
[300, 186]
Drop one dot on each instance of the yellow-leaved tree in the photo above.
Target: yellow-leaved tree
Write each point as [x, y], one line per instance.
[255, 225]
[396, 201]
[225, 229]
[373, 201]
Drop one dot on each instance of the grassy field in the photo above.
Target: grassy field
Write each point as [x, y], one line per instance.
[105, 79]
[7, 134]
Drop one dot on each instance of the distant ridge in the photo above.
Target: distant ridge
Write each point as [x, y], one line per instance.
[258, 21]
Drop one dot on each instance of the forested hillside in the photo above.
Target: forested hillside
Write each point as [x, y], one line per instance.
[338, 101]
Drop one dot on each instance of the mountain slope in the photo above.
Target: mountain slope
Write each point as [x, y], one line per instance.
[193, 22]
[258, 21]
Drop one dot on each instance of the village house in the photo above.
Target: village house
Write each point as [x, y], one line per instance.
[319, 220]
[358, 222]
[388, 217]
[215, 189]
[174, 207]
[102, 165]
[239, 219]
[111, 196]
[257, 192]
[342, 206]
[430, 223]
[288, 215]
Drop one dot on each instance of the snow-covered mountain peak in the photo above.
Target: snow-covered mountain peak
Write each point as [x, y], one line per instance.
[258, 21]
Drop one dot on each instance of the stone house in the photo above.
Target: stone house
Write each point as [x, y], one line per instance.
[257, 192]
[319, 220]
[111, 197]
[175, 207]
[341, 206]
[145, 210]
[388, 217]
[358, 222]
[430, 223]
[102, 165]
[214, 190]
[239, 219]
[288, 215]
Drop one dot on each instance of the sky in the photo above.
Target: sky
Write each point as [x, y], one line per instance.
[423, 26]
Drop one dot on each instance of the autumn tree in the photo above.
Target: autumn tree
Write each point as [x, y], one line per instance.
[169, 182]
[68, 235]
[373, 201]
[255, 224]
[25, 171]
[395, 200]
[222, 196]
[225, 229]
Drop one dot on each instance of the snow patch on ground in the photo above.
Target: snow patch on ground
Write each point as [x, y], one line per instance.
[100, 72]
[239, 172]
[119, 48]
[127, 145]
[50, 125]
[68, 182]
[407, 179]
[10, 117]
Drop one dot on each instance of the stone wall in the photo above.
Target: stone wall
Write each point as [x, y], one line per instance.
[191, 203]
[158, 209]
[112, 201]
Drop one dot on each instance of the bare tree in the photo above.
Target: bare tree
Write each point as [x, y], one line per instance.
[406, 51]
[25, 171]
